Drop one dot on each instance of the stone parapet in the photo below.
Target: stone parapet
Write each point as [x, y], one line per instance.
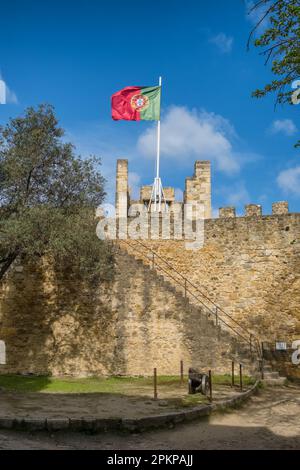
[227, 212]
[253, 210]
[279, 208]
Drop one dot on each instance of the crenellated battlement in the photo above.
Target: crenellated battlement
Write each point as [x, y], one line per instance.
[172, 223]
[197, 190]
[254, 210]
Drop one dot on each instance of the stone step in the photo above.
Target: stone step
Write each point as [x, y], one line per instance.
[271, 375]
[274, 382]
[268, 369]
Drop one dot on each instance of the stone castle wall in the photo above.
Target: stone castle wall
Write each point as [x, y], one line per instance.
[250, 266]
[55, 324]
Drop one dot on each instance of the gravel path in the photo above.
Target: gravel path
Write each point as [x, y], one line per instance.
[270, 420]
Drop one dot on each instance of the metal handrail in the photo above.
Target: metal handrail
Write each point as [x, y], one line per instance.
[251, 336]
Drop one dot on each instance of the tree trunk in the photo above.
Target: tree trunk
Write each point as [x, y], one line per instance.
[7, 263]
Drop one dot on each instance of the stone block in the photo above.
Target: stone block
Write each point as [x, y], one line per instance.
[227, 212]
[253, 210]
[279, 208]
[57, 424]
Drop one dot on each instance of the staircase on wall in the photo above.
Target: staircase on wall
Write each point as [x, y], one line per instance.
[249, 344]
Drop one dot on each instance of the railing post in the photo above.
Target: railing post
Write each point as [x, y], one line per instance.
[181, 372]
[262, 361]
[232, 373]
[153, 260]
[217, 318]
[210, 385]
[155, 383]
[241, 377]
[185, 288]
[251, 343]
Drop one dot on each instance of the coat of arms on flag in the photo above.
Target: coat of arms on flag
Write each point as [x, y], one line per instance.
[137, 104]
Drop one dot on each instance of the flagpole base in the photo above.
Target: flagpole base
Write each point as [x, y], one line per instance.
[157, 201]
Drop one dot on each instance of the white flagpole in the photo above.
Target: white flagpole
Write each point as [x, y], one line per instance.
[158, 183]
[157, 190]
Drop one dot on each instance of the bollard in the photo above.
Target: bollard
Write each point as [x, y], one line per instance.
[262, 369]
[210, 385]
[262, 361]
[155, 383]
[232, 373]
[181, 372]
[241, 377]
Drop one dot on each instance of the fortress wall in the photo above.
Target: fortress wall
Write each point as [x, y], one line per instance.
[53, 323]
[250, 266]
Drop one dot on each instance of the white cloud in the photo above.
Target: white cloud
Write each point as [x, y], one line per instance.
[188, 135]
[238, 195]
[215, 213]
[134, 183]
[223, 42]
[234, 194]
[93, 138]
[284, 126]
[178, 195]
[289, 180]
[10, 96]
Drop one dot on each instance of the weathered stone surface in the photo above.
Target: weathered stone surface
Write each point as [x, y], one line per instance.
[227, 212]
[57, 424]
[249, 266]
[279, 208]
[65, 328]
[6, 423]
[198, 188]
[31, 424]
[253, 210]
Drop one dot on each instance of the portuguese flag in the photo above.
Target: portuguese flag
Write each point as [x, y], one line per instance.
[135, 103]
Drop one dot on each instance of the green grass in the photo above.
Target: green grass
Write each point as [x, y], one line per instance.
[98, 384]
[226, 380]
[84, 385]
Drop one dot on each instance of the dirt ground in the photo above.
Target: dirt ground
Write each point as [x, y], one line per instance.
[270, 420]
[137, 402]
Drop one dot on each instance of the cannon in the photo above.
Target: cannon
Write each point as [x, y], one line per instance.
[198, 382]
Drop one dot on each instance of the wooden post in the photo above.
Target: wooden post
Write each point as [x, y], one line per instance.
[262, 361]
[153, 260]
[181, 372]
[185, 289]
[210, 385]
[232, 373]
[155, 383]
[241, 377]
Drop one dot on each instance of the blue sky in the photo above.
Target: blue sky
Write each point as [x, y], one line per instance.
[76, 54]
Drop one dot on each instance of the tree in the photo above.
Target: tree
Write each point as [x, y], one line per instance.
[48, 197]
[280, 41]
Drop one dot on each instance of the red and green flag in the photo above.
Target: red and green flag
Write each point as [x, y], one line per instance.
[136, 103]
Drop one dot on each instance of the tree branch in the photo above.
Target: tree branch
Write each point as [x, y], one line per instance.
[9, 260]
